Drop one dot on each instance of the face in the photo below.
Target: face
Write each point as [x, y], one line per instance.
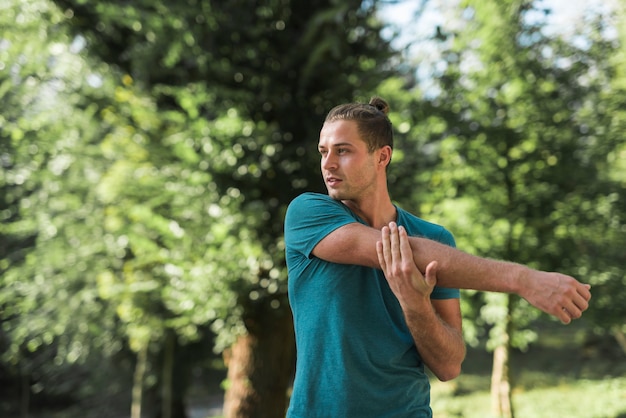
[350, 172]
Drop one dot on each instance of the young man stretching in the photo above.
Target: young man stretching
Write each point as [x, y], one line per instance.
[367, 321]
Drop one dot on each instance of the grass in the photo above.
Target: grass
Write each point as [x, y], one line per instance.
[578, 399]
[563, 375]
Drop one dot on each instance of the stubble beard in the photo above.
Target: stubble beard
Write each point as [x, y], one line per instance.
[336, 194]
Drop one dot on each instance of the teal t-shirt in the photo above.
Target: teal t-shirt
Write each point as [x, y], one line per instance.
[355, 354]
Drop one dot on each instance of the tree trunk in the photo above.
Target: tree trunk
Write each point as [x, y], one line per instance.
[24, 393]
[140, 371]
[501, 398]
[260, 366]
[500, 386]
[166, 374]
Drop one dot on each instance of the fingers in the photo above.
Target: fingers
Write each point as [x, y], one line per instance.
[390, 249]
[574, 303]
[406, 253]
[584, 292]
[431, 273]
[564, 316]
[394, 251]
[577, 303]
[383, 249]
[395, 257]
[381, 255]
[394, 239]
[574, 307]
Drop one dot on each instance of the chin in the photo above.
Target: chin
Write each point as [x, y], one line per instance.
[339, 196]
[334, 194]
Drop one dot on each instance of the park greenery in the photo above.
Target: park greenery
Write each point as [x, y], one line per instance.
[149, 149]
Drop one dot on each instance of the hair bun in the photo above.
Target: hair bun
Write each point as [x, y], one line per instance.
[379, 104]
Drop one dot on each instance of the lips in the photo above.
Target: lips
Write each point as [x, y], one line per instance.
[332, 181]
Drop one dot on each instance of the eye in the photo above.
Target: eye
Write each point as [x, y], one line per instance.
[342, 151]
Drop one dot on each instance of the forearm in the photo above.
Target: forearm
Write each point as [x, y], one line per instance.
[554, 293]
[461, 270]
[440, 345]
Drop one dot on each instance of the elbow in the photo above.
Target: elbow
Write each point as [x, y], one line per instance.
[450, 369]
[448, 373]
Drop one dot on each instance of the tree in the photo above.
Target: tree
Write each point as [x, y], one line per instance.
[50, 235]
[240, 89]
[520, 169]
[601, 242]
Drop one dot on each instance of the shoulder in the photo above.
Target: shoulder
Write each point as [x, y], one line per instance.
[312, 203]
[313, 209]
[417, 226]
[312, 216]
[310, 198]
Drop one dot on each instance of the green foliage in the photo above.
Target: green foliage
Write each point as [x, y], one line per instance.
[148, 157]
[184, 250]
[515, 154]
[238, 90]
[49, 166]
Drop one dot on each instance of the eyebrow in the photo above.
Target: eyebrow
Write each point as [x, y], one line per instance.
[341, 144]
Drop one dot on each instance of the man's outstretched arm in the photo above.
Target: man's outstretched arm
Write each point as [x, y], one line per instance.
[557, 294]
[554, 293]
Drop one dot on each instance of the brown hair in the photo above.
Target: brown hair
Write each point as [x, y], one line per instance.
[372, 122]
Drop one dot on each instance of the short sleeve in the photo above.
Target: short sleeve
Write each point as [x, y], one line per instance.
[311, 217]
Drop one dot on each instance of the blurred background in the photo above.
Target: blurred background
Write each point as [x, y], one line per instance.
[148, 151]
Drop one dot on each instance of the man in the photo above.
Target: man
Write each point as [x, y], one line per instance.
[367, 321]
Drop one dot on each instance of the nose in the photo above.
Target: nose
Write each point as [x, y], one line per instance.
[329, 162]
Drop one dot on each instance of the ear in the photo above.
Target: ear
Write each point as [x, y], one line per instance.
[384, 157]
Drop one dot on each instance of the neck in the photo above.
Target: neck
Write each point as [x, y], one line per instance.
[376, 212]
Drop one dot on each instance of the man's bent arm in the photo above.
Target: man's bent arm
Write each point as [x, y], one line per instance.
[436, 325]
[553, 293]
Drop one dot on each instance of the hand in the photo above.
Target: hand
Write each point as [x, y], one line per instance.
[556, 294]
[396, 260]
